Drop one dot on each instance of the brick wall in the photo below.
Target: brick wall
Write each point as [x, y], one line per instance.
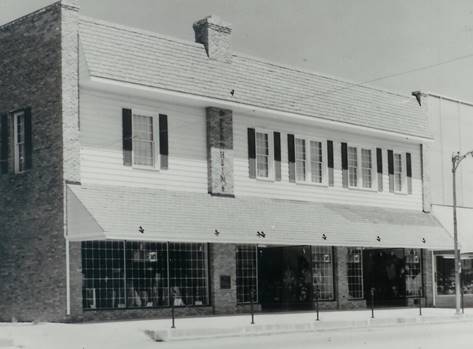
[223, 263]
[32, 247]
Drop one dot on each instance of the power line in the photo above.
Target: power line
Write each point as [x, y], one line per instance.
[384, 77]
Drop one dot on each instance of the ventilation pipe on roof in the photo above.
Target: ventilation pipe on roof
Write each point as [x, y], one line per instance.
[215, 35]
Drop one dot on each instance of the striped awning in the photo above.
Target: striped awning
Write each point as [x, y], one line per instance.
[125, 213]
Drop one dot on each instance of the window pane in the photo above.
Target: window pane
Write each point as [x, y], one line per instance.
[146, 275]
[355, 273]
[103, 284]
[352, 166]
[397, 172]
[316, 161]
[413, 272]
[366, 167]
[322, 271]
[300, 160]
[246, 275]
[143, 140]
[262, 154]
[188, 273]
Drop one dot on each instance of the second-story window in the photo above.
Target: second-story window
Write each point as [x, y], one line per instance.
[300, 160]
[353, 166]
[398, 173]
[316, 161]
[19, 127]
[366, 168]
[143, 141]
[262, 154]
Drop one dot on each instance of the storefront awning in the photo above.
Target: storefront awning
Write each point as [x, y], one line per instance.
[464, 225]
[124, 213]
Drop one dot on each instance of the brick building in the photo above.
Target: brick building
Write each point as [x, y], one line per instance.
[139, 170]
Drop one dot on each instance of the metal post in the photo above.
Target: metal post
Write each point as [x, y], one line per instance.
[420, 301]
[462, 292]
[372, 301]
[317, 295]
[455, 162]
[172, 309]
[252, 294]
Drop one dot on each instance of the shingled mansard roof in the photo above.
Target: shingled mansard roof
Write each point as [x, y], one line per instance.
[139, 57]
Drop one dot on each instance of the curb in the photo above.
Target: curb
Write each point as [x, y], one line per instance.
[168, 335]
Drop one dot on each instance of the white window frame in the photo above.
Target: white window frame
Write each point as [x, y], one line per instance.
[270, 134]
[359, 170]
[308, 160]
[403, 172]
[155, 120]
[17, 144]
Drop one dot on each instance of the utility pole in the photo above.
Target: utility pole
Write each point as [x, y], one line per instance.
[456, 160]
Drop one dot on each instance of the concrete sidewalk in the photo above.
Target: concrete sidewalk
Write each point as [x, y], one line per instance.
[276, 323]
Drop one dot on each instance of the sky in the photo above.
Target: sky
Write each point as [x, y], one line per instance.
[402, 45]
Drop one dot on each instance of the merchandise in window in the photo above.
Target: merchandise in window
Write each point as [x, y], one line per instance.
[446, 275]
[355, 273]
[322, 272]
[119, 274]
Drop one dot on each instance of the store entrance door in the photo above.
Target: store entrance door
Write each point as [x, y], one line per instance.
[285, 278]
[384, 270]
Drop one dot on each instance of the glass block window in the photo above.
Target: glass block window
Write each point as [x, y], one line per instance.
[119, 274]
[300, 160]
[355, 273]
[322, 271]
[316, 161]
[143, 141]
[352, 166]
[366, 168]
[103, 275]
[397, 172]
[19, 127]
[262, 154]
[188, 276]
[413, 269]
[246, 273]
[146, 274]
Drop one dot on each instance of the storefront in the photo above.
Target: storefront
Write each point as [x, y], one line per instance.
[143, 259]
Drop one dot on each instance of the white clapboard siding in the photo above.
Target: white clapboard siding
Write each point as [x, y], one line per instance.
[101, 144]
[245, 186]
[451, 123]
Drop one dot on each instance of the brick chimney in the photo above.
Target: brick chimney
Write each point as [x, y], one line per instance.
[215, 35]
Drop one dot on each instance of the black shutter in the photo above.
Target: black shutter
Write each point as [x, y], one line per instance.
[330, 162]
[345, 165]
[379, 167]
[277, 156]
[391, 170]
[163, 141]
[127, 137]
[4, 138]
[252, 152]
[28, 141]
[409, 173]
[291, 157]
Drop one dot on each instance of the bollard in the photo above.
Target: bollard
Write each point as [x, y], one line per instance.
[372, 301]
[172, 310]
[317, 296]
[420, 300]
[252, 294]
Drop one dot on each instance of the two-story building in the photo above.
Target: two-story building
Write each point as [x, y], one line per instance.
[450, 123]
[140, 171]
